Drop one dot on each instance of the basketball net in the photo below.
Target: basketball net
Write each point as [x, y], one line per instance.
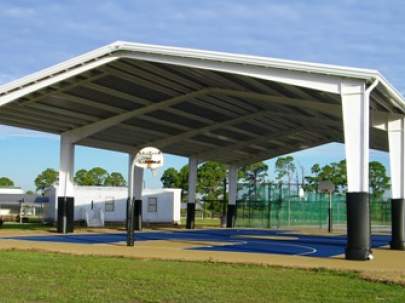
[149, 166]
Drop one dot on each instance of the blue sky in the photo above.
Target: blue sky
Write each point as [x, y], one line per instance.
[37, 34]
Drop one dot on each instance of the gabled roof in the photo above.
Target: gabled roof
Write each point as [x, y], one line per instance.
[218, 106]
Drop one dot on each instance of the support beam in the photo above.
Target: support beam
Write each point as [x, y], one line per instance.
[30, 125]
[93, 128]
[356, 111]
[51, 80]
[63, 86]
[138, 186]
[192, 189]
[396, 140]
[44, 116]
[134, 203]
[65, 209]
[33, 118]
[331, 109]
[232, 195]
[130, 201]
[49, 109]
[208, 101]
[116, 93]
[293, 76]
[100, 125]
[104, 144]
[217, 125]
[281, 150]
[88, 102]
[211, 154]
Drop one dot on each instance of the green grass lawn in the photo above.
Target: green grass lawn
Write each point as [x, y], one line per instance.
[24, 226]
[45, 277]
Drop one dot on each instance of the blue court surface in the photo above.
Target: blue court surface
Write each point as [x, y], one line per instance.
[229, 240]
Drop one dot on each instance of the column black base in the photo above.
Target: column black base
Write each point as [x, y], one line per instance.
[138, 214]
[358, 226]
[130, 222]
[398, 224]
[230, 216]
[66, 207]
[190, 223]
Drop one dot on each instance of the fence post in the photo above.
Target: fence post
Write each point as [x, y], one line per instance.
[249, 211]
[330, 213]
[269, 214]
[268, 186]
[320, 210]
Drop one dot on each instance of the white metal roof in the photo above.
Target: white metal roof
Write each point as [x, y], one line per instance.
[218, 106]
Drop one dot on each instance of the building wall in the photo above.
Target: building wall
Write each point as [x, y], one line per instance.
[113, 201]
[11, 190]
[10, 202]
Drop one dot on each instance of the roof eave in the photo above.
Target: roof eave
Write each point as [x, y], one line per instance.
[117, 49]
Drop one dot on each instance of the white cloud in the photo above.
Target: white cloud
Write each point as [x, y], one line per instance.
[18, 12]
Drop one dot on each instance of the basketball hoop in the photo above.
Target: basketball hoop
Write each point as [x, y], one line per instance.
[149, 158]
[326, 186]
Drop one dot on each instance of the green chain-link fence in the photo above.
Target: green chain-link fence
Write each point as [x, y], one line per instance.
[272, 205]
[277, 206]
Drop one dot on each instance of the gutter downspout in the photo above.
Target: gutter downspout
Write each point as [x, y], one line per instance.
[371, 87]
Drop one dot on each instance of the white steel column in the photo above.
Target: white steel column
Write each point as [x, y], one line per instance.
[131, 158]
[135, 179]
[66, 168]
[192, 179]
[192, 188]
[134, 203]
[356, 111]
[396, 141]
[233, 184]
[130, 201]
[65, 206]
[138, 182]
[232, 195]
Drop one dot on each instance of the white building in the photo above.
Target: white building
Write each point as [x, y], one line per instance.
[11, 191]
[15, 203]
[158, 205]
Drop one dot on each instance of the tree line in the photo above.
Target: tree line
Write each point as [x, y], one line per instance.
[212, 177]
[96, 176]
[211, 185]
[335, 172]
[6, 182]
